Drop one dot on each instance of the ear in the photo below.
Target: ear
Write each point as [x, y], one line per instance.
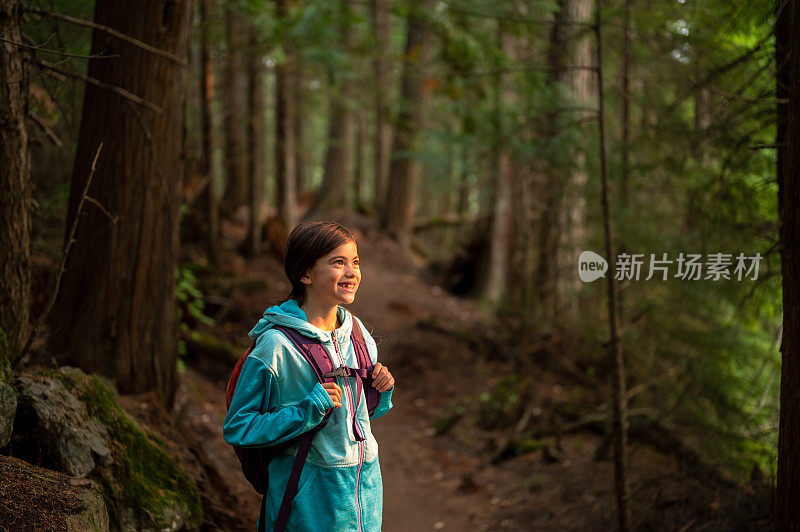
[306, 279]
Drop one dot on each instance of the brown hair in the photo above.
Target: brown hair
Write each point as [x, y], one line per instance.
[306, 244]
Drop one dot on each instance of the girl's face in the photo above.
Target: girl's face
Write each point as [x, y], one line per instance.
[334, 278]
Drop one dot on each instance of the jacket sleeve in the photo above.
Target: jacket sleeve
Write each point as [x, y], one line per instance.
[385, 402]
[249, 423]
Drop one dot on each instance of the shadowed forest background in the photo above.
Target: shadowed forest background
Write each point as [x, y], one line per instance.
[155, 155]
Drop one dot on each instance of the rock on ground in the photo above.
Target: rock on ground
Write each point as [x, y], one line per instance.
[71, 422]
[35, 498]
[8, 406]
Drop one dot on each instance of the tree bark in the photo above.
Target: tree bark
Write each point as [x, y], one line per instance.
[495, 282]
[336, 178]
[397, 215]
[627, 62]
[702, 115]
[285, 132]
[255, 142]
[381, 11]
[564, 221]
[300, 148]
[15, 215]
[234, 118]
[787, 32]
[619, 386]
[210, 202]
[358, 175]
[116, 314]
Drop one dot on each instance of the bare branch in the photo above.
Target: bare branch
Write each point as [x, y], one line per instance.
[768, 146]
[47, 130]
[514, 17]
[530, 68]
[111, 31]
[113, 88]
[102, 209]
[59, 52]
[62, 269]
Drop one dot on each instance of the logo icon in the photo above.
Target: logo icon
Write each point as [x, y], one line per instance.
[591, 266]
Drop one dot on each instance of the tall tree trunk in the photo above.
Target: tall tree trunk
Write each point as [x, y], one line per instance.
[116, 314]
[619, 386]
[15, 215]
[463, 168]
[300, 148]
[336, 178]
[702, 115]
[787, 32]
[234, 117]
[397, 215]
[209, 199]
[285, 130]
[564, 221]
[255, 142]
[627, 60]
[358, 175]
[381, 11]
[500, 230]
[783, 45]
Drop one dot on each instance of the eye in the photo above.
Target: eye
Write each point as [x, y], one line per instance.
[355, 262]
[339, 261]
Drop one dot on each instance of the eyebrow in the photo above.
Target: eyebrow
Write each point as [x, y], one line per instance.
[343, 257]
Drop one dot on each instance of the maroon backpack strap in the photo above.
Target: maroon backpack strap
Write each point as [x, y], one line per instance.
[294, 479]
[312, 350]
[364, 372]
[316, 355]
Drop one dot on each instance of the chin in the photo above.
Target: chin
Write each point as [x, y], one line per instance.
[346, 300]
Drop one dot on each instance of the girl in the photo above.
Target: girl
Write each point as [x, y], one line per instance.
[278, 396]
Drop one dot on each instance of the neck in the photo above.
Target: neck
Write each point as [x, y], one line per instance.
[320, 315]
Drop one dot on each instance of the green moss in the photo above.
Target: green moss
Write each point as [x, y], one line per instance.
[534, 482]
[6, 371]
[145, 477]
[528, 445]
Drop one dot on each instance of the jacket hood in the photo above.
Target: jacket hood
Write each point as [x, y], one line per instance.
[289, 314]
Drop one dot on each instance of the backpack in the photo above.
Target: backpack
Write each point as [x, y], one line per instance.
[255, 460]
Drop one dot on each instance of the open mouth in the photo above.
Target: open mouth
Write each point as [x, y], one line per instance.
[348, 287]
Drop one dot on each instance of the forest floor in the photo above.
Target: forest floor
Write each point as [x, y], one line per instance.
[436, 458]
[438, 478]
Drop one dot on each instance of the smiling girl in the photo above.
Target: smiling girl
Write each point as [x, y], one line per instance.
[279, 397]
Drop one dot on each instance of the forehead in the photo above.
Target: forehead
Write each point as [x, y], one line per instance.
[348, 249]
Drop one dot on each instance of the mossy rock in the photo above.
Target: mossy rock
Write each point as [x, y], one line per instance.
[144, 487]
[8, 407]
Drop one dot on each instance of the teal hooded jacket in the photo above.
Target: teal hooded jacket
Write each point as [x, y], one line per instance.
[278, 397]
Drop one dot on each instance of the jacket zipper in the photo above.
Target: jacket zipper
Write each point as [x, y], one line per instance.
[360, 442]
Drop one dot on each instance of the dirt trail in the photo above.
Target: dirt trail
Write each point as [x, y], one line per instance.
[445, 482]
[421, 478]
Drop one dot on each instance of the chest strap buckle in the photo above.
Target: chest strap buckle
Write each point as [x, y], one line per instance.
[342, 371]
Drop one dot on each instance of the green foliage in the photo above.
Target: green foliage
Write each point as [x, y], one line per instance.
[702, 97]
[189, 295]
[190, 305]
[501, 406]
[452, 415]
